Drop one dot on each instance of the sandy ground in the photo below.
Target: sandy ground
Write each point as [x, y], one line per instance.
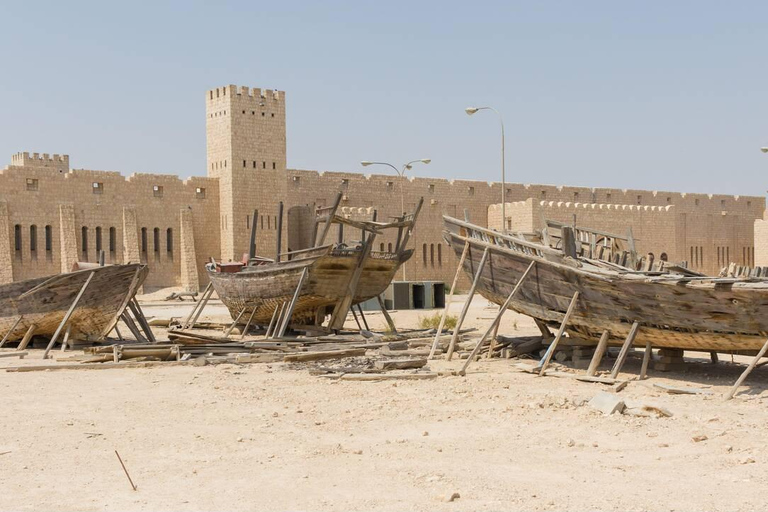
[272, 437]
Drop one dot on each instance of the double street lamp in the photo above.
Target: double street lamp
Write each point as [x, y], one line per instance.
[470, 111]
[401, 173]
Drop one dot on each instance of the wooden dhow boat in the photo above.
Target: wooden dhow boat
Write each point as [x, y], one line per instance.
[39, 306]
[585, 279]
[300, 288]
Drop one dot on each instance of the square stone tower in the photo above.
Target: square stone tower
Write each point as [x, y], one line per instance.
[246, 151]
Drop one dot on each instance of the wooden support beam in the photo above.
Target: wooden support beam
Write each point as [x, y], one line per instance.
[342, 307]
[602, 345]
[13, 328]
[747, 371]
[272, 321]
[187, 324]
[551, 350]
[545, 332]
[27, 336]
[68, 315]
[327, 225]
[292, 304]
[279, 321]
[66, 338]
[624, 350]
[497, 320]
[448, 302]
[362, 317]
[646, 360]
[354, 315]
[387, 317]
[248, 324]
[138, 314]
[460, 321]
[232, 326]
[203, 302]
[128, 321]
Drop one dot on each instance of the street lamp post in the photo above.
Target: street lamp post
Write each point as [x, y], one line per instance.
[401, 173]
[470, 111]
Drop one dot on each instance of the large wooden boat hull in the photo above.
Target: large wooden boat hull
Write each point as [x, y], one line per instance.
[44, 301]
[266, 288]
[673, 312]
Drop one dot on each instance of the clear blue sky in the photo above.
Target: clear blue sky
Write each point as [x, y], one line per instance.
[663, 95]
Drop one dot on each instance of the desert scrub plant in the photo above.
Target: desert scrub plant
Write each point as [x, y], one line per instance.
[433, 321]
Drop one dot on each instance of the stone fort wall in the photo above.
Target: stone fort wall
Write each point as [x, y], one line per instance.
[51, 215]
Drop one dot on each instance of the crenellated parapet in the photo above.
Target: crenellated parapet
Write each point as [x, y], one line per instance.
[44, 160]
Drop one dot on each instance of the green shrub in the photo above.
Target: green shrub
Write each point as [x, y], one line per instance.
[433, 321]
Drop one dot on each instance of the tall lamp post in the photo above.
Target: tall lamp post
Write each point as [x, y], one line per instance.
[470, 111]
[401, 173]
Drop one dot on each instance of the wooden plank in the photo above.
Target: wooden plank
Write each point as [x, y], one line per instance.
[95, 366]
[66, 337]
[459, 268]
[16, 353]
[318, 356]
[624, 350]
[464, 310]
[551, 350]
[375, 377]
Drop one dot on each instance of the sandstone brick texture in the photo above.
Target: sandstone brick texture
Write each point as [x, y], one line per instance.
[146, 217]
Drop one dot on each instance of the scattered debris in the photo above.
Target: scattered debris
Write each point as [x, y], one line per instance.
[126, 471]
[607, 403]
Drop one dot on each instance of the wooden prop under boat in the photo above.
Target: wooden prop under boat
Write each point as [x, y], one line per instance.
[45, 300]
[674, 308]
[336, 276]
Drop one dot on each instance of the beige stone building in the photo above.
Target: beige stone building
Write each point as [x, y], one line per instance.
[52, 215]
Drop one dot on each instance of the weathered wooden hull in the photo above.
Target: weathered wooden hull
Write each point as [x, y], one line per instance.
[694, 314]
[267, 287]
[44, 301]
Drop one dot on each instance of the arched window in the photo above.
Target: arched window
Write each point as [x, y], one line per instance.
[664, 257]
[439, 255]
[432, 254]
[48, 239]
[98, 241]
[84, 242]
[156, 241]
[144, 241]
[381, 247]
[424, 254]
[112, 240]
[389, 247]
[169, 242]
[33, 240]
